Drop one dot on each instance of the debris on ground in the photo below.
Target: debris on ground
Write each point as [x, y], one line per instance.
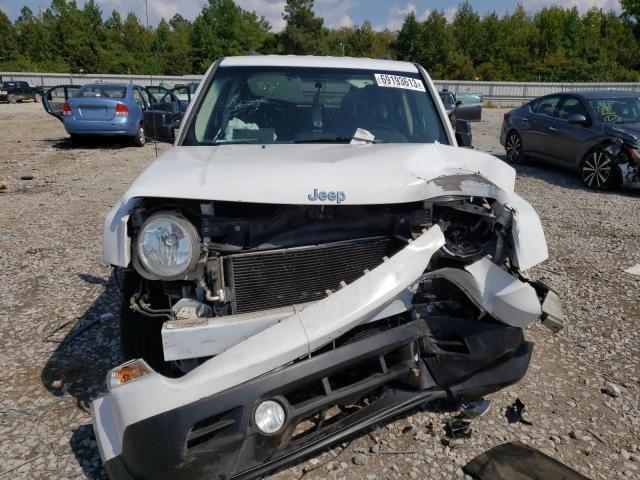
[515, 411]
[612, 390]
[517, 461]
[475, 409]
[635, 270]
[457, 428]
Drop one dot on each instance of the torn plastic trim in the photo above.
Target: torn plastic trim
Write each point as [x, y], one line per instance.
[293, 337]
[116, 245]
[495, 291]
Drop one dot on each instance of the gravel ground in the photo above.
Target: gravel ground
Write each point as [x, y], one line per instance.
[58, 334]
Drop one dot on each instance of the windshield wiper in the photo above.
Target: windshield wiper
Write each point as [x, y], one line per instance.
[236, 142]
[324, 140]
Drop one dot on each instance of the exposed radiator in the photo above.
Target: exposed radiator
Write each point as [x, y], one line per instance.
[275, 278]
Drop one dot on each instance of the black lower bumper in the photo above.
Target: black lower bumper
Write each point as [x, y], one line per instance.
[365, 379]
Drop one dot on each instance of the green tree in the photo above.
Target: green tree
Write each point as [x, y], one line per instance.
[436, 44]
[466, 28]
[360, 41]
[631, 8]
[408, 45]
[304, 33]
[222, 29]
[8, 40]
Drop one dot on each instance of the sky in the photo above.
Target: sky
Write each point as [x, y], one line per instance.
[337, 13]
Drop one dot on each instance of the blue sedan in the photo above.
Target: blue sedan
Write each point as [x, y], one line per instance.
[105, 110]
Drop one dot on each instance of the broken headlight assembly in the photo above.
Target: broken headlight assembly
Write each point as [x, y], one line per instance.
[168, 247]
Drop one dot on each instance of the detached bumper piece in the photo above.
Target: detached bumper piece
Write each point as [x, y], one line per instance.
[516, 460]
[368, 375]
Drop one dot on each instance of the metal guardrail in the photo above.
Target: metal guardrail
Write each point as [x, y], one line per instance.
[491, 91]
[47, 80]
[523, 91]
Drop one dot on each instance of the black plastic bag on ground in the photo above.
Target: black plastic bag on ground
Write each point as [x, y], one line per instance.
[516, 461]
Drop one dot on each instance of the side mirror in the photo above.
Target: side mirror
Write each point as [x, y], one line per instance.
[577, 119]
[458, 103]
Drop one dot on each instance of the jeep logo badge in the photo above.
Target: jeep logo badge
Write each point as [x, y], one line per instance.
[321, 196]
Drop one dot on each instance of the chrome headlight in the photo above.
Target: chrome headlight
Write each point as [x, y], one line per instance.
[168, 246]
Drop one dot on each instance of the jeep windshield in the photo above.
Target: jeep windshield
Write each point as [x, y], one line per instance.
[262, 105]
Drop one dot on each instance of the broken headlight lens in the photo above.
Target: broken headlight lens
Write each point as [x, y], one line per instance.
[167, 246]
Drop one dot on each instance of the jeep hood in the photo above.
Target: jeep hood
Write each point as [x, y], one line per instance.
[288, 174]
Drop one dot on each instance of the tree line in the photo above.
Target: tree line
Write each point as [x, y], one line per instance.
[552, 44]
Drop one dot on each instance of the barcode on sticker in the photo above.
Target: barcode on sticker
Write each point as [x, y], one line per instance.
[398, 81]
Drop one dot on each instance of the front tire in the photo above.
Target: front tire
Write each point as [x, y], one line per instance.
[12, 98]
[598, 170]
[513, 148]
[139, 140]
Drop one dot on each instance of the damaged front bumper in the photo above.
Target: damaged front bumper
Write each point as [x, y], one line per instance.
[216, 437]
[332, 368]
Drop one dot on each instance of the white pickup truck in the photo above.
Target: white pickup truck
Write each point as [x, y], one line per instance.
[313, 255]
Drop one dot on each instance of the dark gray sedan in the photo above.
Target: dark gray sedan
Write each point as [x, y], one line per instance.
[597, 133]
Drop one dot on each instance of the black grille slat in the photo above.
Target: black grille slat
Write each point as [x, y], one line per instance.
[283, 277]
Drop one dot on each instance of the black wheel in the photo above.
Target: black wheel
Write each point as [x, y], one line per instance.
[513, 148]
[140, 335]
[12, 98]
[139, 139]
[598, 170]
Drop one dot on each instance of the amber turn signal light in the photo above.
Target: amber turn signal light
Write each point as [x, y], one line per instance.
[128, 372]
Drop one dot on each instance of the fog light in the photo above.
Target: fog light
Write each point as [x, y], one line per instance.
[269, 416]
[127, 372]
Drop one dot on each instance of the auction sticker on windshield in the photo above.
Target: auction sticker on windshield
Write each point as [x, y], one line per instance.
[397, 81]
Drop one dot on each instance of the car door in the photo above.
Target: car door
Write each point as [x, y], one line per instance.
[160, 120]
[541, 125]
[469, 107]
[54, 98]
[183, 93]
[156, 93]
[568, 138]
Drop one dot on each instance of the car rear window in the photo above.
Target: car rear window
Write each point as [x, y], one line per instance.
[105, 91]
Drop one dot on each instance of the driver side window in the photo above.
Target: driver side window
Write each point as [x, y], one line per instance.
[547, 106]
[571, 106]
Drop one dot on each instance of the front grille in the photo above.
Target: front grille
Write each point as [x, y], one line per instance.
[276, 278]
